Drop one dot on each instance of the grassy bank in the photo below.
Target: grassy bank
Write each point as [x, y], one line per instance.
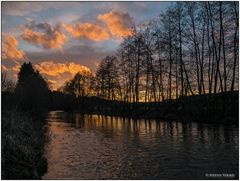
[22, 146]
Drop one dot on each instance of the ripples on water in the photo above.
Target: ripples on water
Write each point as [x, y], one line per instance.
[104, 147]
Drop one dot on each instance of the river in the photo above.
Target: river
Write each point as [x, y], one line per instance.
[104, 147]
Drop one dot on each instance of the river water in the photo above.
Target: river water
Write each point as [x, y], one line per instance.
[104, 147]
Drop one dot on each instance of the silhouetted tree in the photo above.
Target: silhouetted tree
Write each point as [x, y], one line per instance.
[107, 78]
[80, 85]
[31, 90]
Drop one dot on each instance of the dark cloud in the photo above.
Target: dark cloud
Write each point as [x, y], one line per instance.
[85, 55]
[44, 35]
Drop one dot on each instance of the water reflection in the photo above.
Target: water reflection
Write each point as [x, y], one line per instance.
[105, 147]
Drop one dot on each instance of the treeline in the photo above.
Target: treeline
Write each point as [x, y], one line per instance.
[190, 49]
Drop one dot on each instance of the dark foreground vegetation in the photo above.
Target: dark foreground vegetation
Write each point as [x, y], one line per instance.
[22, 146]
[23, 138]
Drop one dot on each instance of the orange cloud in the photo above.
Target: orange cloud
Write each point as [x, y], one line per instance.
[10, 48]
[119, 23]
[52, 84]
[43, 34]
[75, 68]
[59, 73]
[4, 68]
[56, 69]
[52, 69]
[16, 68]
[88, 30]
[11, 71]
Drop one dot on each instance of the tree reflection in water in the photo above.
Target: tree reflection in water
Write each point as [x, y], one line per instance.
[105, 147]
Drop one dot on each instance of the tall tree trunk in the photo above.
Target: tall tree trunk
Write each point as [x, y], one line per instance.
[161, 93]
[215, 49]
[224, 53]
[235, 45]
[176, 74]
[147, 82]
[153, 77]
[196, 50]
[210, 64]
[137, 73]
[219, 54]
[202, 58]
[170, 60]
[180, 49]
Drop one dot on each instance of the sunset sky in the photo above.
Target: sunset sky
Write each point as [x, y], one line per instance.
[62, 38]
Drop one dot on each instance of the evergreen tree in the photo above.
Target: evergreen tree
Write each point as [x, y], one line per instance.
[31, 90]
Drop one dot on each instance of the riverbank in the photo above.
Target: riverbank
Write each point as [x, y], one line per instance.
[214, 108]
[22, 146]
